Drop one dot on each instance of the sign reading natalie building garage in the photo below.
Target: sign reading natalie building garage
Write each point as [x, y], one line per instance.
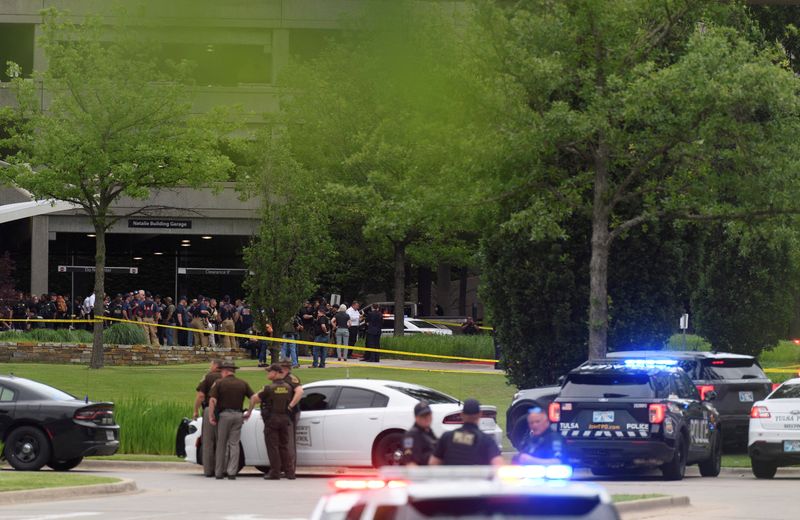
[159, 223]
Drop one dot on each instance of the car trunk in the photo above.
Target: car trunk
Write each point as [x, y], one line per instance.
[784, 415]
[595, 419]
[738, 383]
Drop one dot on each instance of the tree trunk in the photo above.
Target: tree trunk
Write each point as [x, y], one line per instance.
[399, 286]
[99, 292]
[598, 266]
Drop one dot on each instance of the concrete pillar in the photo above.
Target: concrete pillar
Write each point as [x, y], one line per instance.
[40, 254]
[280, 52]
[443, 287]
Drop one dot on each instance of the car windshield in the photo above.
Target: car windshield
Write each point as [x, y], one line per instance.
[49, 393]
[787, 392]
[732, 368]
[421, 393]
[423, 324]
[494, 507]
[611, 384]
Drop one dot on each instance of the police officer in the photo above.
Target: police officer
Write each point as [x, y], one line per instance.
[275, 400]
[468, 445]
[225, 412]
[419, 440]
[227, 317]
[209, 431]
[541, 445]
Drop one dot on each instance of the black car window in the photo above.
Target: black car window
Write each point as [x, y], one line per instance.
[317, 398]
[661, 384]
[610, 384]
[420, 393]
[682, 385]
[732, 368]
[33, 391]
[6, 394]
[787, 392]
[351, 398]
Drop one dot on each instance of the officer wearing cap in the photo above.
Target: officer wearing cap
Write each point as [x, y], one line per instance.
[208, 431]
[468, 445]
[419, 440]
[225, 412]
[541, 445]
[278, 431]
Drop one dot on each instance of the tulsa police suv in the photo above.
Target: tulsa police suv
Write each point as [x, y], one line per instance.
[622, 414]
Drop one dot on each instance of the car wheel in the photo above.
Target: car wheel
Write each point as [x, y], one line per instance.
[388, 451]
[64, 465]
[712, 466]
[263, 469]
[27, 449]
[519, 431]
[763, 469]
[676, 468]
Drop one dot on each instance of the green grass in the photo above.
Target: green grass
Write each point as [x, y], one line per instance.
[479, 347]
[736, 461]
[118, 334]
[18, 480]
[139, 457]
[627, 498]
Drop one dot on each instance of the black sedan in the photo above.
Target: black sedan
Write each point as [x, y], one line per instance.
[40, 425]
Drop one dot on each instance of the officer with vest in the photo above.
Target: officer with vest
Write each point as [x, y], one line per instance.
[541, 445]
[149, 314]
[209, 431]
[468, 445]
[225, 412]
[419, 440]
[278, 432]
[227, 315]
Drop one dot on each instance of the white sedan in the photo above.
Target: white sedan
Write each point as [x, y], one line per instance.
[774, 436]
[351, 422]
[413, 326]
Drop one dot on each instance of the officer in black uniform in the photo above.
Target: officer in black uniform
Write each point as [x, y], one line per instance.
[419, 440]
[468, 445]
[541, 445]
[278, 431]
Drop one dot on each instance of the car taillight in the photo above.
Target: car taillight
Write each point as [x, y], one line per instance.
[760, 412]
[704, 389]
[657, 412]
[554, 412]
[95, 415]
[774, 386]
[453, 418]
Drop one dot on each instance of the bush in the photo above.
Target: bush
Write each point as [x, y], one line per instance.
[148, 426]
[49, 336]
[480, 347]
[124, 334]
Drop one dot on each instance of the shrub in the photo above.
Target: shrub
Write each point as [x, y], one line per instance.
[480, 347]
[49, 336]
[124, 334]
[148, 426]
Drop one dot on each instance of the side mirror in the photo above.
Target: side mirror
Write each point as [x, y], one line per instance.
[710, 396]
[561, 380]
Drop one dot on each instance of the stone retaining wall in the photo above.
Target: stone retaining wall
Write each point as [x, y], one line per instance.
[115, 355]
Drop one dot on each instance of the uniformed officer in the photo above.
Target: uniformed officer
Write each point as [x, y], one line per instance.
[419, 440]
[468, 445]
[209, 431]
[225, 411]
[275, 399]
[541, 445]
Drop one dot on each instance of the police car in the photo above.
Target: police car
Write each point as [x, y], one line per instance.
[774, 436]
[474, 492]
[349, 422]
[617, 415]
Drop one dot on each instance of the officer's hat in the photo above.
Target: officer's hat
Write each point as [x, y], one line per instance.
[228, 365]
[422, 408]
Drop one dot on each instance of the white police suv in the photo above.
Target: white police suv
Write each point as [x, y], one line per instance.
[774, 435]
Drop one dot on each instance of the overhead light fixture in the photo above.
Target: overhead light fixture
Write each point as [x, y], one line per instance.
[206, 237]
[137, 257]
[158, 253]
[186, 245]
[91, 235]
[185, 241]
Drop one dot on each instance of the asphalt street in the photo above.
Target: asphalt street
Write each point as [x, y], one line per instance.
[186, 494]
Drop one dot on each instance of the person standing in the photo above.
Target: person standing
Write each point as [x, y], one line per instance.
[227, 315]
[374, 322]
[355, 323]
[168, 318]
[278, 432]
[341, 322]
[208, 430]
[321, 332]
[419, 440]
[199, 317]
[294, 406]
[182, 320]
[148, 313]
[468, 445]
[225, 412]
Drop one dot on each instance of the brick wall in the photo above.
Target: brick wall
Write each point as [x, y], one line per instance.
[115, 355]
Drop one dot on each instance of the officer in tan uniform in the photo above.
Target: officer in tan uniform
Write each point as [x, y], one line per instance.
[278, 431]
[225, 411]
[208, 432]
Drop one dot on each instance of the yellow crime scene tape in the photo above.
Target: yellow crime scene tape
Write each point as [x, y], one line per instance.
[783, 370]
[300, 341]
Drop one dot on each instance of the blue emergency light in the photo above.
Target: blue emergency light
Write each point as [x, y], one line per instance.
[650, 363]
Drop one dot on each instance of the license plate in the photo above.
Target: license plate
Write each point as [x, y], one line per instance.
[110, 435]
[602, 417]
[746, 397]
[791, 446]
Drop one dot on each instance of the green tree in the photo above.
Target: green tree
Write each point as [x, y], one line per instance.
[118, 124]
[644, 111]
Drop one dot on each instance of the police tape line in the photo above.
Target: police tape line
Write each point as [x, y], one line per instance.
[451, 324]
[782, 370]
[299, 341]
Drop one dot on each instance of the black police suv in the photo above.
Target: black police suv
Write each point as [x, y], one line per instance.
[737, 380]
[40, 425]
[617, 415]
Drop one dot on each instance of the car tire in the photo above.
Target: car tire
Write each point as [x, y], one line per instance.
[519, 430]
[676, 468]
[763, 469]
[388, 450]
[27, 449]
[713, 465]
[64, 465]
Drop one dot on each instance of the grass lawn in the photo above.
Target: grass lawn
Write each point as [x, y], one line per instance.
[627, 498]
[736, 461]
[21, 480]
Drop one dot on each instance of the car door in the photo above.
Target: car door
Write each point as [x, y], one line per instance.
[352, 426]
[696, 413]
[316, 403]
[7, 406]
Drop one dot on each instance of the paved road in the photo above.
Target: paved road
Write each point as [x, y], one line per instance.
[167, 495]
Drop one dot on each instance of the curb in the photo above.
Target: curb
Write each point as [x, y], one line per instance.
[64, 493]
[651, 504]
[129, 465]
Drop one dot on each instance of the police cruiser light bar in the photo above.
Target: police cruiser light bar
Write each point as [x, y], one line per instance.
[504, 473]
[650, 363]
